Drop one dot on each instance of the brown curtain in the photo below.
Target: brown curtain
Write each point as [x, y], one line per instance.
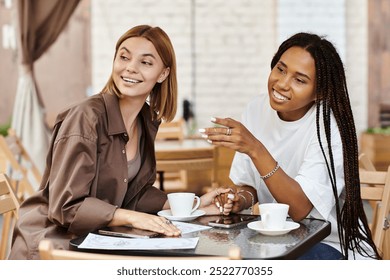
[40, 23]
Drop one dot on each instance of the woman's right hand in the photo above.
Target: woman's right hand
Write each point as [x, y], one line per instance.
[231, 134]
[144, 221]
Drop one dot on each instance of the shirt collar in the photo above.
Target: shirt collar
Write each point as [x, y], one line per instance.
[114, 116]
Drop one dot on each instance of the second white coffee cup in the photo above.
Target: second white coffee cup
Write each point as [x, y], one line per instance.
[273, 215]
[182, 203]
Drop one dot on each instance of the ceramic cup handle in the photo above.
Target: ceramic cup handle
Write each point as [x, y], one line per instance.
[197, 198]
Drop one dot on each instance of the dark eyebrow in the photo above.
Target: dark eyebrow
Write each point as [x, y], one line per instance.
[298, 73]
[146, 54]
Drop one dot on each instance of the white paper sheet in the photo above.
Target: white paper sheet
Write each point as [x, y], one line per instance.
[103, 242]
[96, 241]
[187, 227]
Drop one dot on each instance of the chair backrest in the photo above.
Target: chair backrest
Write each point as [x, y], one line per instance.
[22, 171]
[23, 154]
[375, 186]
[9, 206]
[224, 162]
[194, 162]
[173, 130]
[366, 164]
[48, 252]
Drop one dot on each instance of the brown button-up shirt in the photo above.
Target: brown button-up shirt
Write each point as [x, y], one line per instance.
[86, 177]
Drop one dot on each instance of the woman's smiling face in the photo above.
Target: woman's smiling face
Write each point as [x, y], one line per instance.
[137, 67]
[291, 84]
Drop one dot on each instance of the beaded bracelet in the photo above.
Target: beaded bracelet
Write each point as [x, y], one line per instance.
[271, 173]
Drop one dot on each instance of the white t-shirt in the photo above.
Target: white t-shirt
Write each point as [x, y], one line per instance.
[294, 145]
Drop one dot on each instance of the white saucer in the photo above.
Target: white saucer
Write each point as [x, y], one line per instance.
[258, 226]
[167, 214]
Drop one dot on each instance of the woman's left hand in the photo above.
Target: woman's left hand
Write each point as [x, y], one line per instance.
[217, 201]
[140, 220]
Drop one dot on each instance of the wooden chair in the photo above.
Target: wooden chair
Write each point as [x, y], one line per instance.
[167, 131]
[24, 175]
[191, 164]
[9, 206]
[375, 186]
[47, 252]
[171, 130]
[224, 158]
[366, 164]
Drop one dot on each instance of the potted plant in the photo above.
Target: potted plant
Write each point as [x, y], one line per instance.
[4, 128]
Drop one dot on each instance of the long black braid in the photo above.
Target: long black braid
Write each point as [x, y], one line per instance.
[332, 97]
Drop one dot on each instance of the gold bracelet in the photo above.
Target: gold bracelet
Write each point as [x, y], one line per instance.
[245, 201]
[271, 173]
[252, 199]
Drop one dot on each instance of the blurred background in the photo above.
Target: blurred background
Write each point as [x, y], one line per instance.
[223, 48]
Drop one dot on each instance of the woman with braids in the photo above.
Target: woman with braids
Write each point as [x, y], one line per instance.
[297, 145]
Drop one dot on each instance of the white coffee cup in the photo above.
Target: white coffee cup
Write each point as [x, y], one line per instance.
[182, 203]
[273, 215]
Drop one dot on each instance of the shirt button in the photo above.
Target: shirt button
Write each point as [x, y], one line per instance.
[125, 180]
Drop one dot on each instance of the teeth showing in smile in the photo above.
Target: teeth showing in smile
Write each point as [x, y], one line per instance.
[130, 80]
[279, 96]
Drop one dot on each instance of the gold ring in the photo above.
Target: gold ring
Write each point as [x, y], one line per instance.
[229, 131]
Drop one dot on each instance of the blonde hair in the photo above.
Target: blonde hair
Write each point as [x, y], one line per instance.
[163, 97]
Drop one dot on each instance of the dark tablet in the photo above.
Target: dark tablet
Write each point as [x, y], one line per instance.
[232, 221]
[123, 231]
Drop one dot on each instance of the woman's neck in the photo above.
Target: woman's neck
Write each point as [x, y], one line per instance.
[130, 108]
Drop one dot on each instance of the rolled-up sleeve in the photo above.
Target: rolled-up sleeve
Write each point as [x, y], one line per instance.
[151, 201]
